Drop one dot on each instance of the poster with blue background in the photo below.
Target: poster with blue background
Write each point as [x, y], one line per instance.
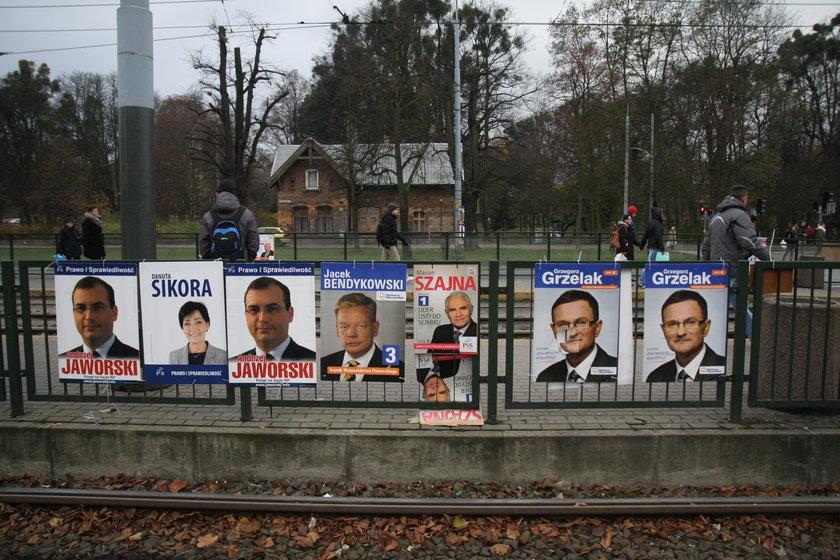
[686, 311]
[363, 321]
[576, 327]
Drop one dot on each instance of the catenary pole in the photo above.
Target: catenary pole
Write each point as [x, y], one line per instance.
[135, 92]
[459, 247]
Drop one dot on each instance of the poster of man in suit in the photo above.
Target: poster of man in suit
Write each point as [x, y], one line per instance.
[98, 333]
[271, 323]
[446, 329]
[576, 309]
[363, 322]
[184, 325]
[685, 321]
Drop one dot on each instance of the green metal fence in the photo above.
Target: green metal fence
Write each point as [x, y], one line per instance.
[791, 361]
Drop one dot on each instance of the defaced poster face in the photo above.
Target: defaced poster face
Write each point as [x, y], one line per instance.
[97, 324]
[363, 322]
[686, 307]
[576, 327]
[184, 325]
[445, 330]
[271, 323]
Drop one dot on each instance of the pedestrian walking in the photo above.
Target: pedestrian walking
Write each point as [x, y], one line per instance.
[387, 233]
[70, 240]
[93, 240]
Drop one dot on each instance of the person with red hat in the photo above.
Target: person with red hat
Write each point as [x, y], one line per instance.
[633, 211]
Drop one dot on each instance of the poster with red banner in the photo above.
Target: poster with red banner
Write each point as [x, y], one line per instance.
[97, 324]
[446, 330]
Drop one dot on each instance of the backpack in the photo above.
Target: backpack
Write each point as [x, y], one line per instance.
[225, 239]
[380, 233]
[614, 242]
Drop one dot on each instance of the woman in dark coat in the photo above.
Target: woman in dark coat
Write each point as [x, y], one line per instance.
[626, 239]
[92, 237]
[70, 240]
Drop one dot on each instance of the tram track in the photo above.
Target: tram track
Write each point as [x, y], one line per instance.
[205, 502]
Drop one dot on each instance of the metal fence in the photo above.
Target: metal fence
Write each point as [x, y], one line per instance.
[791, 360]
[424, 246]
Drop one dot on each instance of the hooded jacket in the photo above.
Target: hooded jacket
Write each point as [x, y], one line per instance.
[652, 239]
[731, 235]
[226, 205]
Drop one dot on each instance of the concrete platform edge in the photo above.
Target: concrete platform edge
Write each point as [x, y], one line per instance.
[672, 458]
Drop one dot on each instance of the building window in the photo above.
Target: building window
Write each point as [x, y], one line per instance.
[325, 219]
[368, 218]
[301, 214]
[311, 178]
[418, 221]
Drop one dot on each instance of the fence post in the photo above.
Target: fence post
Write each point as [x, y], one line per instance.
[493, 343]
[245, 404]
[742, 296]
[12, 345]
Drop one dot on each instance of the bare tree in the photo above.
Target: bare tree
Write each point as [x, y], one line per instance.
[229, 140]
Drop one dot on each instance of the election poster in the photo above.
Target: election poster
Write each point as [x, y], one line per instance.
[266, 248]
[96, 321]
[576, 323]
[184, 326]
[685, 321]
[271, 323]
[445, 329]
[363, 321]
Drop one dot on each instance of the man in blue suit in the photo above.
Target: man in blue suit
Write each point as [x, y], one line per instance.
[356, 327]
[576, 324]
[685, 324]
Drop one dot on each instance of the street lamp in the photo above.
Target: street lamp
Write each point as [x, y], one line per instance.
[627, 149]
[650, 158]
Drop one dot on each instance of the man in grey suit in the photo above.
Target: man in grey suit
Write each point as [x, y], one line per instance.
[268, 312]
[685, 324]
[575, 323]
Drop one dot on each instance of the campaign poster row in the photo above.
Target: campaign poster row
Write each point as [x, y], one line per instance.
[254, 324]
[583, 324]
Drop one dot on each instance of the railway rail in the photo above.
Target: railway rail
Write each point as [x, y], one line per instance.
[798, 505]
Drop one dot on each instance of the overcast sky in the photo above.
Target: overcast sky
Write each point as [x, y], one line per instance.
[60, 33]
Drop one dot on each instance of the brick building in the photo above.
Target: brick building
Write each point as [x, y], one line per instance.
[313, 183]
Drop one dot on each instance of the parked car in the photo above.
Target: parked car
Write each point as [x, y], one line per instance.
[11, 220]
[279, 234]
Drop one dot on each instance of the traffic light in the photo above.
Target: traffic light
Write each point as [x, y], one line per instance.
[761, 207]
[702, 210]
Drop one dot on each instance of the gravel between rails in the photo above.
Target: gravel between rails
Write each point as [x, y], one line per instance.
[70, 533]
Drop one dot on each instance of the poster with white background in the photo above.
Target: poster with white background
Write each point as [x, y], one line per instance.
[184, 327]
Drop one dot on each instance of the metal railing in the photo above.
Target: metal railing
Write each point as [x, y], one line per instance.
[790, 362]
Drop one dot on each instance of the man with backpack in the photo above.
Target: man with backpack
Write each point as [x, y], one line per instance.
[229, 229]
[732, 238]
[387, 234]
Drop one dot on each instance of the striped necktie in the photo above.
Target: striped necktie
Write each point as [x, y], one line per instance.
[350, 376]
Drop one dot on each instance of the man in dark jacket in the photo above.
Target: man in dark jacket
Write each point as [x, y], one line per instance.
[390, 234]
[226, 207]
[732, 237]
